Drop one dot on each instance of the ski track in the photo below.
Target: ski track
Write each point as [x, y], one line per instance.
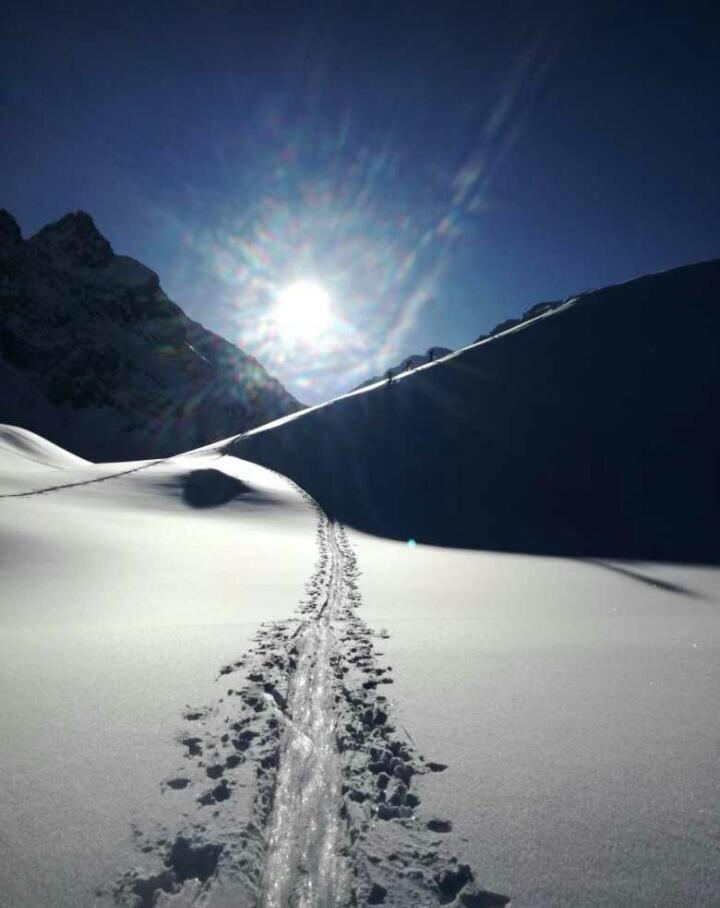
[306, 831]
[335, 819]
[83, 482]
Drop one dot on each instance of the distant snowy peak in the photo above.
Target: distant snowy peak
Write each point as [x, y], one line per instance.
[96, 357]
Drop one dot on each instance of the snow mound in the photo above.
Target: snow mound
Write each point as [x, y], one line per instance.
[124, 589]
[23, 450]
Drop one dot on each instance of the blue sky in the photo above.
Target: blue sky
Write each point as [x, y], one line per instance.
[438, 167]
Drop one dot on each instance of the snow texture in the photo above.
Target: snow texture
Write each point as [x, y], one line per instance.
[545, 726]
[292, 784]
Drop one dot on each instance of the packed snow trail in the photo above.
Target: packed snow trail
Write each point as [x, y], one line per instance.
[306, 831]
[334, 820]
[83, 482]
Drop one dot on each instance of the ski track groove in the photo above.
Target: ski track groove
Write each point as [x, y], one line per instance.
[306, 832]
[336, 821]
[83, 482]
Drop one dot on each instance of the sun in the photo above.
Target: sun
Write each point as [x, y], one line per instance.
[302, 311]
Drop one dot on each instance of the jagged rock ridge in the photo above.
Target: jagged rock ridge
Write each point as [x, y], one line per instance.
[435, 353]
[410, 362]
[96, 357]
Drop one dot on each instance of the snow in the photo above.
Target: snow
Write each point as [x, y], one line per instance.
[121, 601]
[496, 676]
[21, 450]
[572, 687]
[409, 363]
[590, 431]
[574, 701]
[577, 708]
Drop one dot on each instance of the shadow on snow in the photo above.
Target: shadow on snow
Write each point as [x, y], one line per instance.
[591, 433]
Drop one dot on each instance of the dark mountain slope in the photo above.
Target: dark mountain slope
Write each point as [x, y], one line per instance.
[592, 430]
[95, 357]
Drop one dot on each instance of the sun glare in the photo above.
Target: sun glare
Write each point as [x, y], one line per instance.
[302, 311]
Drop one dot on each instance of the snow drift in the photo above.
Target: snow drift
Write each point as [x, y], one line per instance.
[590, 430]
[127, 587]
[151, 643]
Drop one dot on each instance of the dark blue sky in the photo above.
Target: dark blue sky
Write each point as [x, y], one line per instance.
[438, 166]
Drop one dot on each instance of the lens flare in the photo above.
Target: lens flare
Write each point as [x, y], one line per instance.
[302, 311]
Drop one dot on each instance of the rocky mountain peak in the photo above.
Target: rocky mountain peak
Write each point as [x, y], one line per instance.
[10, 234]
[75, 238]
[94, 355]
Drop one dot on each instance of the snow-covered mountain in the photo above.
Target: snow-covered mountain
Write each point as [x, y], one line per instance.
[590, 429]
[96, 357]
[191, 673]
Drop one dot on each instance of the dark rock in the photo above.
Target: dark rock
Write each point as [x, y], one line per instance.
[95, 357]
[436, 825]
[377, 894]
[482, 898]
[10, 234]
[76, 238]
[451, 881]
[192, 860]
[178, 784]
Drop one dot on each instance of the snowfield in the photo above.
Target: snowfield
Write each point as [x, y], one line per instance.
[548, 726]
[121, 602]
[452, 639]
[576, 704]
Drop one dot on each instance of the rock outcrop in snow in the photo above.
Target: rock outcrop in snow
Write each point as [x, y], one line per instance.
[410, 362]
[589, 430]
[528, 315]
[96, 357]
[435, 353]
